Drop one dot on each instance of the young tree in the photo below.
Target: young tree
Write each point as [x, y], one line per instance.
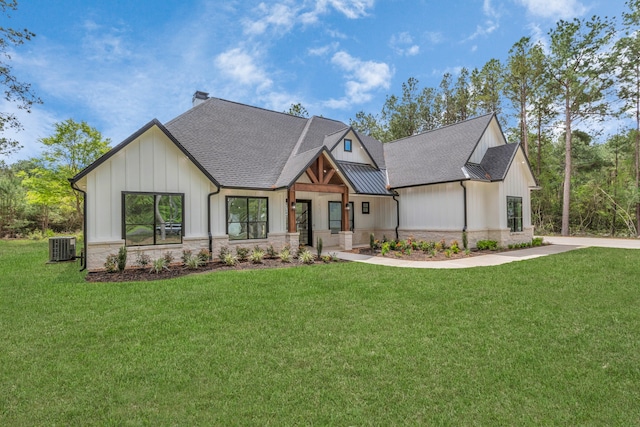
[446, 101]
[578, 79]
[463, 96]
[14, 90]
[627, 52]
[487, 87]
[369, 125]
[72, 148]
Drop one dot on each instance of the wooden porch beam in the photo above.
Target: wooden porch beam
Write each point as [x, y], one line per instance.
[328, 176]
[320, 188]
[312, 176]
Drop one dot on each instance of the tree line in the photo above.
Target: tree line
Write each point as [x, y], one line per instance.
[552, 99]
[556, 97]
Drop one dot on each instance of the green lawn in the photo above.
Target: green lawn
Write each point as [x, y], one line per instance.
[551, 341]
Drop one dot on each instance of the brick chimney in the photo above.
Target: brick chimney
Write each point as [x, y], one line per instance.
[199, 97]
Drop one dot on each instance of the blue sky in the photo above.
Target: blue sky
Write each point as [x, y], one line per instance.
[117, 64]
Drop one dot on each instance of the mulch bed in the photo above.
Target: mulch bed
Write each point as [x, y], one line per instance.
[418, 255]
[177, 270]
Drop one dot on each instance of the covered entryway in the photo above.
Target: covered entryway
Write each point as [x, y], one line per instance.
[322, 178]
[304, 222]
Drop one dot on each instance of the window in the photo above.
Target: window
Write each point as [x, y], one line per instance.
[347, 145]
[152, 218]
[247, 217]
[514, 213]
[335, 217]
[365, 208]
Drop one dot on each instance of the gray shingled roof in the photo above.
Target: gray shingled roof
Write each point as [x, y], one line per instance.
[435, 156]
[496, 160]
[366, 178]
[240, 145]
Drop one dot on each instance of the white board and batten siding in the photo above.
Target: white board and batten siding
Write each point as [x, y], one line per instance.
[492, 137]
[518, 183]
[432, 207]
[358, 154]
[152, 163]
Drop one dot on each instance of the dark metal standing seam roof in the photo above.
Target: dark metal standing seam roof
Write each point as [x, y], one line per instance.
[366, 178]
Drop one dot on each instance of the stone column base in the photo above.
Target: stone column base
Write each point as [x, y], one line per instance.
[346, 240]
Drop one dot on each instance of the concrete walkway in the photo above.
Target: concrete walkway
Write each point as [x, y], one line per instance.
[558, 245]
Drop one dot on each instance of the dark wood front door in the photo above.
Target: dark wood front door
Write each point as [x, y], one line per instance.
[303, 222]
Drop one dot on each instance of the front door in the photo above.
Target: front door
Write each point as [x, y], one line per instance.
[303, 222]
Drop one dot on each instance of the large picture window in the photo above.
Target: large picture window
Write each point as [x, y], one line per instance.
[335, 217]
[514, 213]
[247, 217]
[152, 218]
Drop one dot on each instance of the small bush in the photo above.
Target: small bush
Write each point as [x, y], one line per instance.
[285, 255]
[242, 253]
[447, 253]
[433, 253]
[204, 255]
[487, 245]
[142, 259]
[158, 265]
[222, 253]
[393, 245]
[326, 258]
[122, 258]
[186, 256]
[257, 255]
[193, 263]
[443, 243]
[454, 247]
[111, 263]
[168, 257]
[438, 246]
[305, 257]
[537, 241]
[372, 242]
[427, 246]
[230, 259]
[334, 257]
[271, 253]
[386, 247]
[465, 240]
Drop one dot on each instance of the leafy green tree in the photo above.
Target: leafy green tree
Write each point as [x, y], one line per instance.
[445, 102]
[70, 149]
[577, 76]
[14, 90]
[627, 66]
[463, 96]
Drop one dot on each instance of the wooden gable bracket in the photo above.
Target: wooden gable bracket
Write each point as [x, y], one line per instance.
[318, 173]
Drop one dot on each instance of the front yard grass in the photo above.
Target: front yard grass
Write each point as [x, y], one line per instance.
[550, 341]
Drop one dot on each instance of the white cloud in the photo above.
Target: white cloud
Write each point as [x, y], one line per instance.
[363, 77]
[491, 24]
[434, 37]
[402, 44]
[554, 9]
[280, 16]
[323, 50]
[241, 67]
[36, 125]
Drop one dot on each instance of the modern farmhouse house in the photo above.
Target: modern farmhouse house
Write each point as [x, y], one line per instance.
[227, 174]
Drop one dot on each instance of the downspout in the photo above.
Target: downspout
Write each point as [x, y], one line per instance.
[209, 222]
[464, 199]
[83, 260]
[395, 194]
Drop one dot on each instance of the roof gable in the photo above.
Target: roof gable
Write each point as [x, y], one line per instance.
[135, 136]
[436, 156]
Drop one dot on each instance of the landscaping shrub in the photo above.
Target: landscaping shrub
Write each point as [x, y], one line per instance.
[168, 257]
[111, 263]
[222, 253]
[158, 266]
[487, 245]
[142, 259]
[122, 258]
[203, 256]
[537, 241]
[186, 256]
[242, 253]
[305, 257]
[230, 259]
[257, 255]
[319, 246]
[285, 255]
[271, 252]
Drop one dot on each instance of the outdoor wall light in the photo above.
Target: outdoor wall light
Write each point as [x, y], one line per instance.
[347, 207]
[293, 205]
